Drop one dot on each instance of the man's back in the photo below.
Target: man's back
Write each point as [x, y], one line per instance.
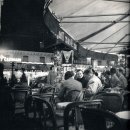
[115, 82]
[70, 85]
[123, 81]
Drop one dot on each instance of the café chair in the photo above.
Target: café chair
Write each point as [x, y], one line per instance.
[98, 119]
[19, 97]
[111, 101]
[126, 101]
[44, 113]
[72, 112]
[72, 96]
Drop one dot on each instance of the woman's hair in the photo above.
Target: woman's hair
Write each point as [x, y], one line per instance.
[69, 74]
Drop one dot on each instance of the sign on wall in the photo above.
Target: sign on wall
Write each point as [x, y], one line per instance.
[9, 59]
[67, 57]
[66, 39]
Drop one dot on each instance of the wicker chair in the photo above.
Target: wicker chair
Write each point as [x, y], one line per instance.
[72, 112]
[46, 115]
[97, 119]
[19, 97]
[111, 101]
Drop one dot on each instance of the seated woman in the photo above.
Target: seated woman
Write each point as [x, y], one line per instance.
[80, 77]
[70, 88]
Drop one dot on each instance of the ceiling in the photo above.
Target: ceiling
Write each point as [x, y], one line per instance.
[99, 25]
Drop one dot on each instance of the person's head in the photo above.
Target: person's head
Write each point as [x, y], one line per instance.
[88, 73]
[113, 71]
[79, 74]
[107, 74]
[69, 74]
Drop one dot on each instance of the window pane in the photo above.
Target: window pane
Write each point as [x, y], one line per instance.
[42, 59]
[99, 63]
[25, 58]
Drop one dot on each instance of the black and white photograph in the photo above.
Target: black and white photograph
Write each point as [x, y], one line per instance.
[64, 65]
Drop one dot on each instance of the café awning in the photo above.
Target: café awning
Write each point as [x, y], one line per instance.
[97, 25]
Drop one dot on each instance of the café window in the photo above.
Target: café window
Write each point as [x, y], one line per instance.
[25, 58]
[99, 63]
[42, 59]
[7, 56]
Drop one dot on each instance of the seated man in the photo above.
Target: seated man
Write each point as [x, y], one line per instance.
[94, 83]
[114, 80]
[70, 88]
[122, 78]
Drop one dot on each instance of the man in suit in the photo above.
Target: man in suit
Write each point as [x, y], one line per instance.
[114, 80]
[70, 88]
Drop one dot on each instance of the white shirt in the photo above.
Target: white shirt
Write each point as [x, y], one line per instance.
[94, 84]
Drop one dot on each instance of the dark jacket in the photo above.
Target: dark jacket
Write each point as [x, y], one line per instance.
[67, 86]
[83, 81]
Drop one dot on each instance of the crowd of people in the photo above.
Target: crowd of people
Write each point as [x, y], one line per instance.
[91, 83]
[89, 80]
[73, 87]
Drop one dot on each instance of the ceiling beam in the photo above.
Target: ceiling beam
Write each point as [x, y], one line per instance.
[95, 15]
[94, 21]
[108, 47]
[121, 43]
[104, 28]
[117, 43]
[118, 1]
[111, 35]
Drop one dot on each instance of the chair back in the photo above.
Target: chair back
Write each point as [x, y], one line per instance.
[72, 112]
[73, 95]
[20, 95]
[126, 101]
[97, 119]
[44, 112]
[111, 101]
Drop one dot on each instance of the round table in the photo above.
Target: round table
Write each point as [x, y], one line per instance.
[124, 117]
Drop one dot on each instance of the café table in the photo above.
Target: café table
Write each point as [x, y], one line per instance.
[124, 117]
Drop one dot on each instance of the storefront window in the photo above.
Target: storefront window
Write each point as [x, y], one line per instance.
[99, 63]
[42, 59]
[25, 58]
